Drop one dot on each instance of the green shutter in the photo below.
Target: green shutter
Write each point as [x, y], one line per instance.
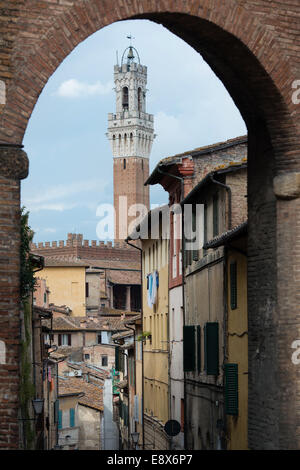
[211, 348]
[199, 348]
[189, 348]
[117, 358]
[215, 215]
[72, 417]
[59, 419]
[231, 389]
[233, 286]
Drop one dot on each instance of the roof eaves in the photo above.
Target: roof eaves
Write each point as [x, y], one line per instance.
[227, 236]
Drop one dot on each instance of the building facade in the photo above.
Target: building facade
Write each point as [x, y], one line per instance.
[210, 328]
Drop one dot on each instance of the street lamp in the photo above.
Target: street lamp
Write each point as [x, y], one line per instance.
[135, 438]
[38, 405]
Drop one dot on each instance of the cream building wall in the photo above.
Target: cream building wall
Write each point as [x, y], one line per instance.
[67, 287]
[155, 351]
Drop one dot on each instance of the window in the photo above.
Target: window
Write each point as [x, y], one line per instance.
[86, 356]
[231, 389]
[233, 285]
[86, 289]
[199, 348]
[139, 99]
[211, 348]
[45, 297]
[188, 348]
[125, 98]
[64, 340]
[124, 164]
[99, 339]
[191, 348]
[104, 361]
[215, 215]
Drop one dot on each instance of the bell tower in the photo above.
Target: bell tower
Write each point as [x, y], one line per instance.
[131, 134]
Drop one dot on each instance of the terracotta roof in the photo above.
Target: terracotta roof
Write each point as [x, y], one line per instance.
[227, 236]
[107, 263]
[132, 319]
[61, 262]
[106, 323]
[107, 311]
[125, 277]
[93, 394]
[122, 335]
[197, 152]
[207, 179]
[87, 369]
[90, 263]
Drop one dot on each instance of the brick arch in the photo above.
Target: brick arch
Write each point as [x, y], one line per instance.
[251, 45]
[231, 38]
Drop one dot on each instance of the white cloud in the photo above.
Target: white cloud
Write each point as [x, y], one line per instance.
[60, 191]
[54, 198]
[50, 230]
[75, 89]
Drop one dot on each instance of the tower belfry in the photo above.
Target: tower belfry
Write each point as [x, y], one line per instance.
[131, 134]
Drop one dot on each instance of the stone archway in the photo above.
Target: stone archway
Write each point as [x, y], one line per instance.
[252, 47]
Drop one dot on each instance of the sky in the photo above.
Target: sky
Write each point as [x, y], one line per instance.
[71, 165]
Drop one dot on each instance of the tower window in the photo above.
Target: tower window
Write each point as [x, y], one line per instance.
[124, 163]
[139, 99]
[125, 98]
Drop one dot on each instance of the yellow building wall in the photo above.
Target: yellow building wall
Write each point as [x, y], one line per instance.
[238, 353]
[155, 320]
[67, 287]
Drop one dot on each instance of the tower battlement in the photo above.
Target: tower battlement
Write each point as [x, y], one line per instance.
[76, 240]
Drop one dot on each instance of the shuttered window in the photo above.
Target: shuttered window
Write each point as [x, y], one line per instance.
[199, 348]
[231, 389]
[215, 215]
[72, 417]
[59, 419]
[233, 285]
[189, 348]
[211, 348]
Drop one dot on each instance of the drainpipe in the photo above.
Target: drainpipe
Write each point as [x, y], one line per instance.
[228, 189]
